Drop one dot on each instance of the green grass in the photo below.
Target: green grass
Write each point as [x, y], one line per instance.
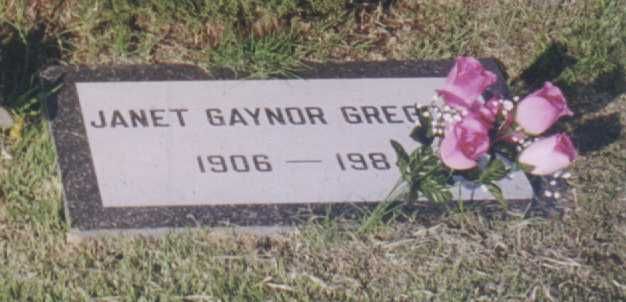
[581, 45]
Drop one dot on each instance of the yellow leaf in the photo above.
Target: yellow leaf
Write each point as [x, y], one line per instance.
[15, 134]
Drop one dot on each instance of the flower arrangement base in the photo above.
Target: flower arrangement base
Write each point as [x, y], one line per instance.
[520, 199]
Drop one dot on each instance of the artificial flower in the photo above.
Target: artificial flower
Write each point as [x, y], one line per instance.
[465, 83]
[464, 143]
[541, 109]
[548, 155]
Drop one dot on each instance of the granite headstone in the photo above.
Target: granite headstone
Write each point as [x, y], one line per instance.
[166, 146]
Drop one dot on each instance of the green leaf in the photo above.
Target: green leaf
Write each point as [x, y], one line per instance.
[423, 133]
[414, 191]
[423, 173]
[400, 152]
[415, 159]
[403, 160]
[422, 155]
[497, 193]
[435, 190]
[526, 167]
[494, 171]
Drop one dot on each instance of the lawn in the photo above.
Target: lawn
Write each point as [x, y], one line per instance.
[463, 255]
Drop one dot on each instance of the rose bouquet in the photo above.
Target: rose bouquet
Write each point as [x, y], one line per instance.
[464, 136]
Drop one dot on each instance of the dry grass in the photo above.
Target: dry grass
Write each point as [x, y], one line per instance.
[464, 256]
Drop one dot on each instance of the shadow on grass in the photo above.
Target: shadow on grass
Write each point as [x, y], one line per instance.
[22, 55]
[597, 133]
[554, 60]
[585, 98]
[546, 67]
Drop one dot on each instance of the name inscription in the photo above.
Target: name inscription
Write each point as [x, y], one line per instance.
[133, 118]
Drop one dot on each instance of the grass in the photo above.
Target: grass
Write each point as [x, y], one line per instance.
[580, 45]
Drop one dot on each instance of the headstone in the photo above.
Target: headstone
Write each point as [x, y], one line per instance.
[143, 147]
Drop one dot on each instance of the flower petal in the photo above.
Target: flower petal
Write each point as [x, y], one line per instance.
[536, 115]
[451, 154]
[549, 155]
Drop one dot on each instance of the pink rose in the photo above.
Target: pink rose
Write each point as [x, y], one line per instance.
[464, 142]
[538, 111]
[549, 155]
[467, 80]
[489, 110]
